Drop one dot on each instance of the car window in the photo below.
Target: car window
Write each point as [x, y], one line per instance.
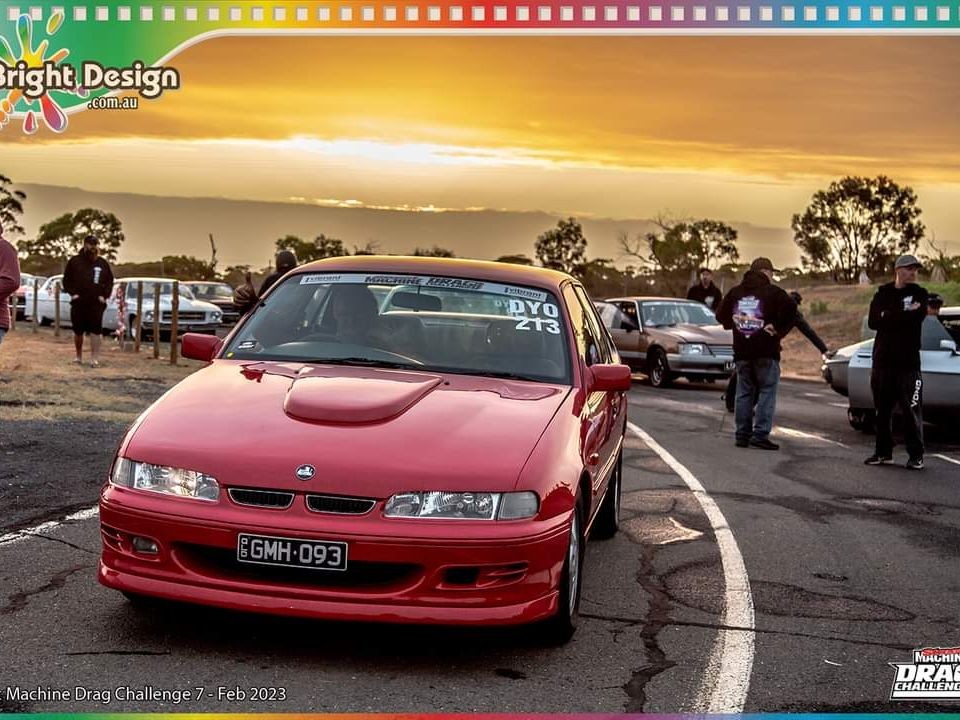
[587, 345]
[609, 314]
[447, 324]
[952, 325]
[932, 332]
[600, 335]
[166, 288]
[660, 313]
[629, 309]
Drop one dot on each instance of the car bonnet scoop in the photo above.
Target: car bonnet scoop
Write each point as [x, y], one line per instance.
[343, 399]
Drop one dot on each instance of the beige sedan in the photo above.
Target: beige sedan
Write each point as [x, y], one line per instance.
[666, 338]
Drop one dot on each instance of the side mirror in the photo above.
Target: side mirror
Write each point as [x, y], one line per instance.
[200, 347]
[949, 345]
[608, 378]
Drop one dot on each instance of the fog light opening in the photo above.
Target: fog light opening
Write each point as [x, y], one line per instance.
[145, 545]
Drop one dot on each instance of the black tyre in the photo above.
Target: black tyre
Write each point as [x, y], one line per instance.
[658, 370]
[45, 321]
[862, 419]
[608, 517]
[560, 628]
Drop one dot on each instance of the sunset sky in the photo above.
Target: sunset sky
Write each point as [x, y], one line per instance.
[742, 129]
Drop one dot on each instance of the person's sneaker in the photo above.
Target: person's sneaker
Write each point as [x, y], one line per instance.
[878, 460]
[915, 463]
[764, 445]
[742, 443]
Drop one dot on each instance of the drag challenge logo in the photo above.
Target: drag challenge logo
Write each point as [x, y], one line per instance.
[934, 674]
[28, 77]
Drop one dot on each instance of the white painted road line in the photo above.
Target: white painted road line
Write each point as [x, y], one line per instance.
[727, 678]
[793, 432]
[948, 459]
[21, 535]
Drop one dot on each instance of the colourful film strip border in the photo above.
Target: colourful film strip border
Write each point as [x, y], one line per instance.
[445, 15]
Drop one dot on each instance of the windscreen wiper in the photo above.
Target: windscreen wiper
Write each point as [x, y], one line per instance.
[364, 362]
[503, 375]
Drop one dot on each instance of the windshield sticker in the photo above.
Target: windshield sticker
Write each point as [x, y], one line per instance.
[533, 307]
[247, 345]
[538, 296]
[538, 324]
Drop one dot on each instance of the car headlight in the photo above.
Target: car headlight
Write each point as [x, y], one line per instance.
[164, 480]
[693, 349]
[148, 316]
[463, 505]
[216, 314]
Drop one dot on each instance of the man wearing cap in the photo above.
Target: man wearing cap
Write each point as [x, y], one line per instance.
[89, 281]
[897, 313]
[760, 314]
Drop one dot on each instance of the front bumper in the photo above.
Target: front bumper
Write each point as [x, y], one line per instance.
[396, 571]
[716, 365]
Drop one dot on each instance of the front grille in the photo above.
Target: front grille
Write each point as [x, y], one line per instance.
[359, 574]
[340, 504]
[185, 317]
[721, 349]
[261, 498]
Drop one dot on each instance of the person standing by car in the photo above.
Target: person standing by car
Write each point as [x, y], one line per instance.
[286, 261]
[897, 313]
[760, 314]
[800, 324]
[705, 291]
[88, 280]
[245, 297]
[934, 304]
[9, 280]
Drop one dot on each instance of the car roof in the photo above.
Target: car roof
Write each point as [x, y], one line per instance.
[150, 279]
[405, 265]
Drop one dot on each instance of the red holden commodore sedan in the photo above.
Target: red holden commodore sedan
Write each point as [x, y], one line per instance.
[397, 439]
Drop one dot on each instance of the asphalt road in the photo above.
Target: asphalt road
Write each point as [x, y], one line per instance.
[849, 568]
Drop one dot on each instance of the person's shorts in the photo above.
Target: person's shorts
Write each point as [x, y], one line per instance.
[3, 331]
[87, 317]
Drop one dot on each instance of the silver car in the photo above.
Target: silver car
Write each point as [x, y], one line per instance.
[848, 372]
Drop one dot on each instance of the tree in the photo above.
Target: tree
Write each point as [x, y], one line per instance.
[62, 237]
[680, 247]
[515, 259]
[563, 248]
[371, 247]
[186, 267]
[435, 251]
[234, 274]
[856, 224]
[309, 250]
[942, 267]
[11, 207]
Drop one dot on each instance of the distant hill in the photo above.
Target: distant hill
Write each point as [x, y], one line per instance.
[245, 230]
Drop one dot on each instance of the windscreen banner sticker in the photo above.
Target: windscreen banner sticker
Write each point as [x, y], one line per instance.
[535, 315]
[430, 282]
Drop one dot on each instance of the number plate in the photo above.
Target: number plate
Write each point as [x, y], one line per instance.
[290, 552]
[728, 366]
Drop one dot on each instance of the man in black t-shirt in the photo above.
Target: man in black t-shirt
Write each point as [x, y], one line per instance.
[88, 280]
[897, 313]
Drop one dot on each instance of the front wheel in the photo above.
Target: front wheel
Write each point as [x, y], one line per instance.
[561, 627]
[658, 370]
[861, 419]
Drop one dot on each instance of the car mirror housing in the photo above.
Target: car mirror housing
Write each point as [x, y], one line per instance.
[608, 378]
[200, 347]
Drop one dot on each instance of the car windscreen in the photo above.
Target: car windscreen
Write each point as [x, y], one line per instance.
[166, 288]
[667, 314]
[932, 332]
[217, 291]
[426, 322]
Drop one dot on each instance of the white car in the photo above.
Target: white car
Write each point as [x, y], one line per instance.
[192, 315]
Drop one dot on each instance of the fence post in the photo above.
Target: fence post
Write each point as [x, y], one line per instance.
[36, 289]
[174, 321]
[56, 309]
[156, 321]
[136, 341]
[12, 304]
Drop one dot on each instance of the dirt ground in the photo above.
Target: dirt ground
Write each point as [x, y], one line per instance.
[60, 423]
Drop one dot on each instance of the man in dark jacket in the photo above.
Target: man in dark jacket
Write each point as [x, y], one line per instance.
[897, 313]
[803, 327]
[245, 297]
[705, 291]
[760, 314]
[89, 282]
[286, 261]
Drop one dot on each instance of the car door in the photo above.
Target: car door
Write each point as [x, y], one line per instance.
[598, 444]
[941, 368]
[628, 335]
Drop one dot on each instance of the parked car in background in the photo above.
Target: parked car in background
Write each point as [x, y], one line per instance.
[426, 464]
[219, 294]
[666, 338]
[193, 315]
[25, 308]
[848, 373]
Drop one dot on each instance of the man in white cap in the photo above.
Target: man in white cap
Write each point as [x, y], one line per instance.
[897, 313]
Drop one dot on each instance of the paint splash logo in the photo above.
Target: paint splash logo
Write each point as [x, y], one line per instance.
[53, 115]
